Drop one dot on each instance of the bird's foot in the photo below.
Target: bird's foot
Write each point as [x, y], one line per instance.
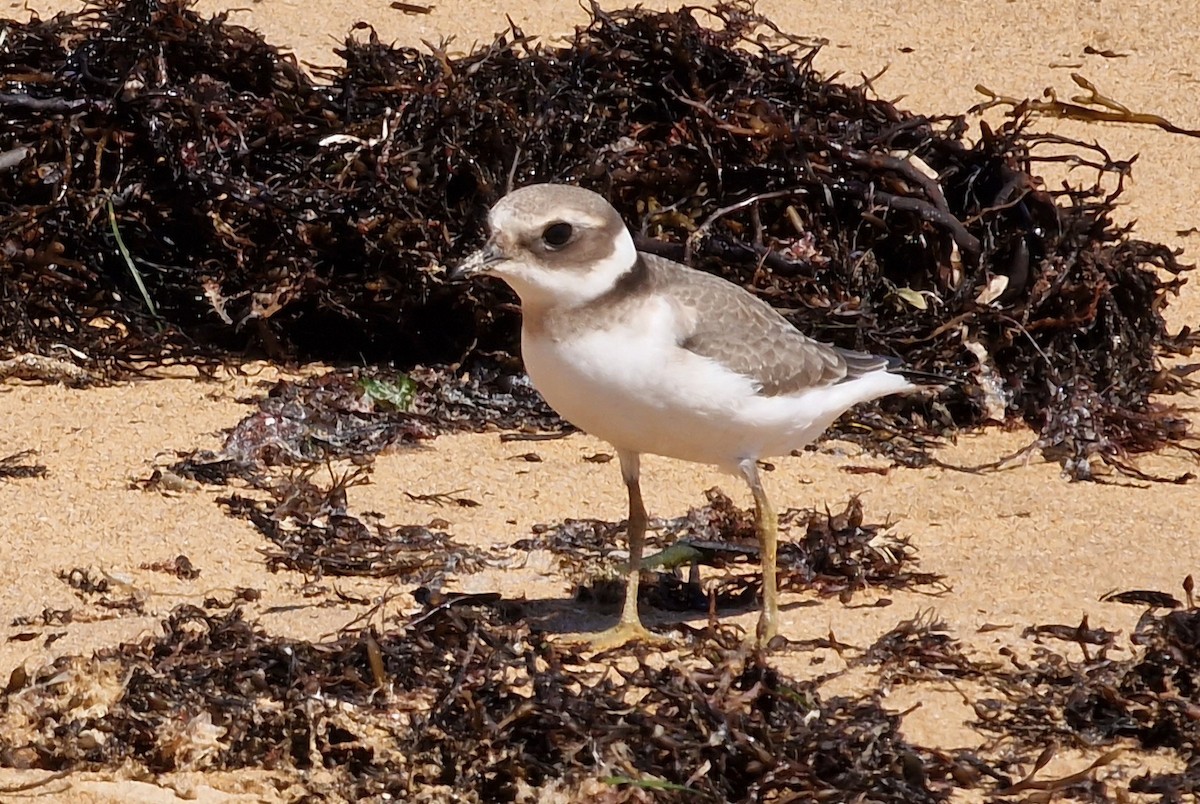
[623, 633]
[762, 636]
[768, 626]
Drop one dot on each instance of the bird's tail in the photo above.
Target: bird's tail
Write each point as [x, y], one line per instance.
[859, 364]
[925, 378]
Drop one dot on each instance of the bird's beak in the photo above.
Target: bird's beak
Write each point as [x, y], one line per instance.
[478, 263]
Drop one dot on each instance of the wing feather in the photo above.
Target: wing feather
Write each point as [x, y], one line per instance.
[778, 357]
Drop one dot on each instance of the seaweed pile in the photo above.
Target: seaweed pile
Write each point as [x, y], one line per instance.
[463, 697]
[458, 699]
[334, 424]
[177, 188]
[312, 532]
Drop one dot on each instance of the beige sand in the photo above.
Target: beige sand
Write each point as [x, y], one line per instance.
[1018, 547]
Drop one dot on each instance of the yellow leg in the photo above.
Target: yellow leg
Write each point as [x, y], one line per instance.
[766, 522]
[630, 628]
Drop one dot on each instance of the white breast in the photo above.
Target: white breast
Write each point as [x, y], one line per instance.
[633, 386]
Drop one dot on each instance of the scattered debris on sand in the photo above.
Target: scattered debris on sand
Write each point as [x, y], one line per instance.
[20, 465]
[831, 555]
[1147, 700]
[463, 696]
[353, 415]
[313, 533]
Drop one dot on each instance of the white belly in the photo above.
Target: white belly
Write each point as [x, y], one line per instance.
[635, 388]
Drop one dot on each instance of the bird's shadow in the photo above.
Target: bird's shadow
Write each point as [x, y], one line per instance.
[593, 608]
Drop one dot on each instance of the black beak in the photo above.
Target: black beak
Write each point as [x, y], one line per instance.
[478, 263]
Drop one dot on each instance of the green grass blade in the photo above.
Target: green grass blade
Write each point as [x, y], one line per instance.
[648, 784]
[137, 275]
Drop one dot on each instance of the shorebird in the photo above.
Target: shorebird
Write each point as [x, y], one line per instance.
[655, 357]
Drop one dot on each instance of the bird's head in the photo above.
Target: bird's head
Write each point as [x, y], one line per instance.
[556, 245]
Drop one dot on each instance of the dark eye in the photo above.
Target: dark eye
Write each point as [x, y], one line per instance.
[557, 235]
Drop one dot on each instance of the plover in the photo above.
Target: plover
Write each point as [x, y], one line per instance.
[655, 357]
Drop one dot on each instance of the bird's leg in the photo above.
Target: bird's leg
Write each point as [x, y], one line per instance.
[636, 534]
[630, 628]
[766, 522]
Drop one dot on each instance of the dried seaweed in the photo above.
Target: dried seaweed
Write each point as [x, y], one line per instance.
[457, 699]
[352, 414]
[178, 188]
[313, 532]
[303, 428]
[463, 697]
[104, 591]
[18, 465]
[180, 566]
[921, 649]
[489, 397]
[1092, 107]
[336, 415]
[836, 554]
[1144, 597]
[1097, 701]
[839, 554]
[1082, 634]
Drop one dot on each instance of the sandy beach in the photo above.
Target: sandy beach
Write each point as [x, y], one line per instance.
[1019, 547]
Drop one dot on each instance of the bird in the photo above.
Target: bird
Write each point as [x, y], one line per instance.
[656, 357]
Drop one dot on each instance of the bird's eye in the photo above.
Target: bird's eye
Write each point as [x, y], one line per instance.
[557, 235]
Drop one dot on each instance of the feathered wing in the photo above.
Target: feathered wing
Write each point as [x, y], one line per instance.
[781, 360]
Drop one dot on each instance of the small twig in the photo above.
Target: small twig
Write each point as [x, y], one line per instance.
[506, 438]
[40, 368]
[968, 244]
[703, 228]
[21, 788]
[512, 170]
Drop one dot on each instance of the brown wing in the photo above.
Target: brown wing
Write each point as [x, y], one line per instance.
[777, 356]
